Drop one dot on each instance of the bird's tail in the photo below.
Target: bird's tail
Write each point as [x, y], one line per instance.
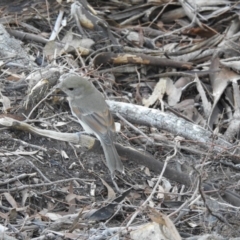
[112, 158]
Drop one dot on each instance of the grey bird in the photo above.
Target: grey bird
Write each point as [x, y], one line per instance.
[90, 108]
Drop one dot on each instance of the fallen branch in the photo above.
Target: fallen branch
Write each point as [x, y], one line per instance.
[173, 124]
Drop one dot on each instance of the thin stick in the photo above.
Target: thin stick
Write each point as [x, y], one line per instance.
[155, 187]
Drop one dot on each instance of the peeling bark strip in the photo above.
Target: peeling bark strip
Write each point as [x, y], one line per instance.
[124, 58]
[85, 16]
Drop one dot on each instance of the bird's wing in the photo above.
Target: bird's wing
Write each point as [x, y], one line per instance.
[101, 123]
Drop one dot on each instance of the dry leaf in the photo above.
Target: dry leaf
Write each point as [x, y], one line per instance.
[3, 229]
[157, 94]
[51, 50]
[149, 231]
[111, 193]
[206, 104]
[10, 199]
[219, 80]
[5, 102]
[164, 86]
[25, 194]
[167, 225]
[174, 94]
[160, 194]
[53, 216]
[72, 196]
[12, 214]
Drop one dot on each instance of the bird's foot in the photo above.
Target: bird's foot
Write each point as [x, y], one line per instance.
[115, 184]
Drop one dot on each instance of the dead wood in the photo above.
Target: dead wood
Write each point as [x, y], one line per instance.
[172, 71]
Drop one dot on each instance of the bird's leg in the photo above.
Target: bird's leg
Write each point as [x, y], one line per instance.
[114, 183]
[82, 132]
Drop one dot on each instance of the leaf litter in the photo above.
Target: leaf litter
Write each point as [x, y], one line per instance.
[180, 60]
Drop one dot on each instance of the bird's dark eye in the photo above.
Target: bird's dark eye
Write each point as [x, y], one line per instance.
[71, 89]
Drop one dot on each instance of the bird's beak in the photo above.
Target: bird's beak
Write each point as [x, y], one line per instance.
[59, 85]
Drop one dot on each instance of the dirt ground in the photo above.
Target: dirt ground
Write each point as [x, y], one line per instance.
[90, 192]
[172, 71]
